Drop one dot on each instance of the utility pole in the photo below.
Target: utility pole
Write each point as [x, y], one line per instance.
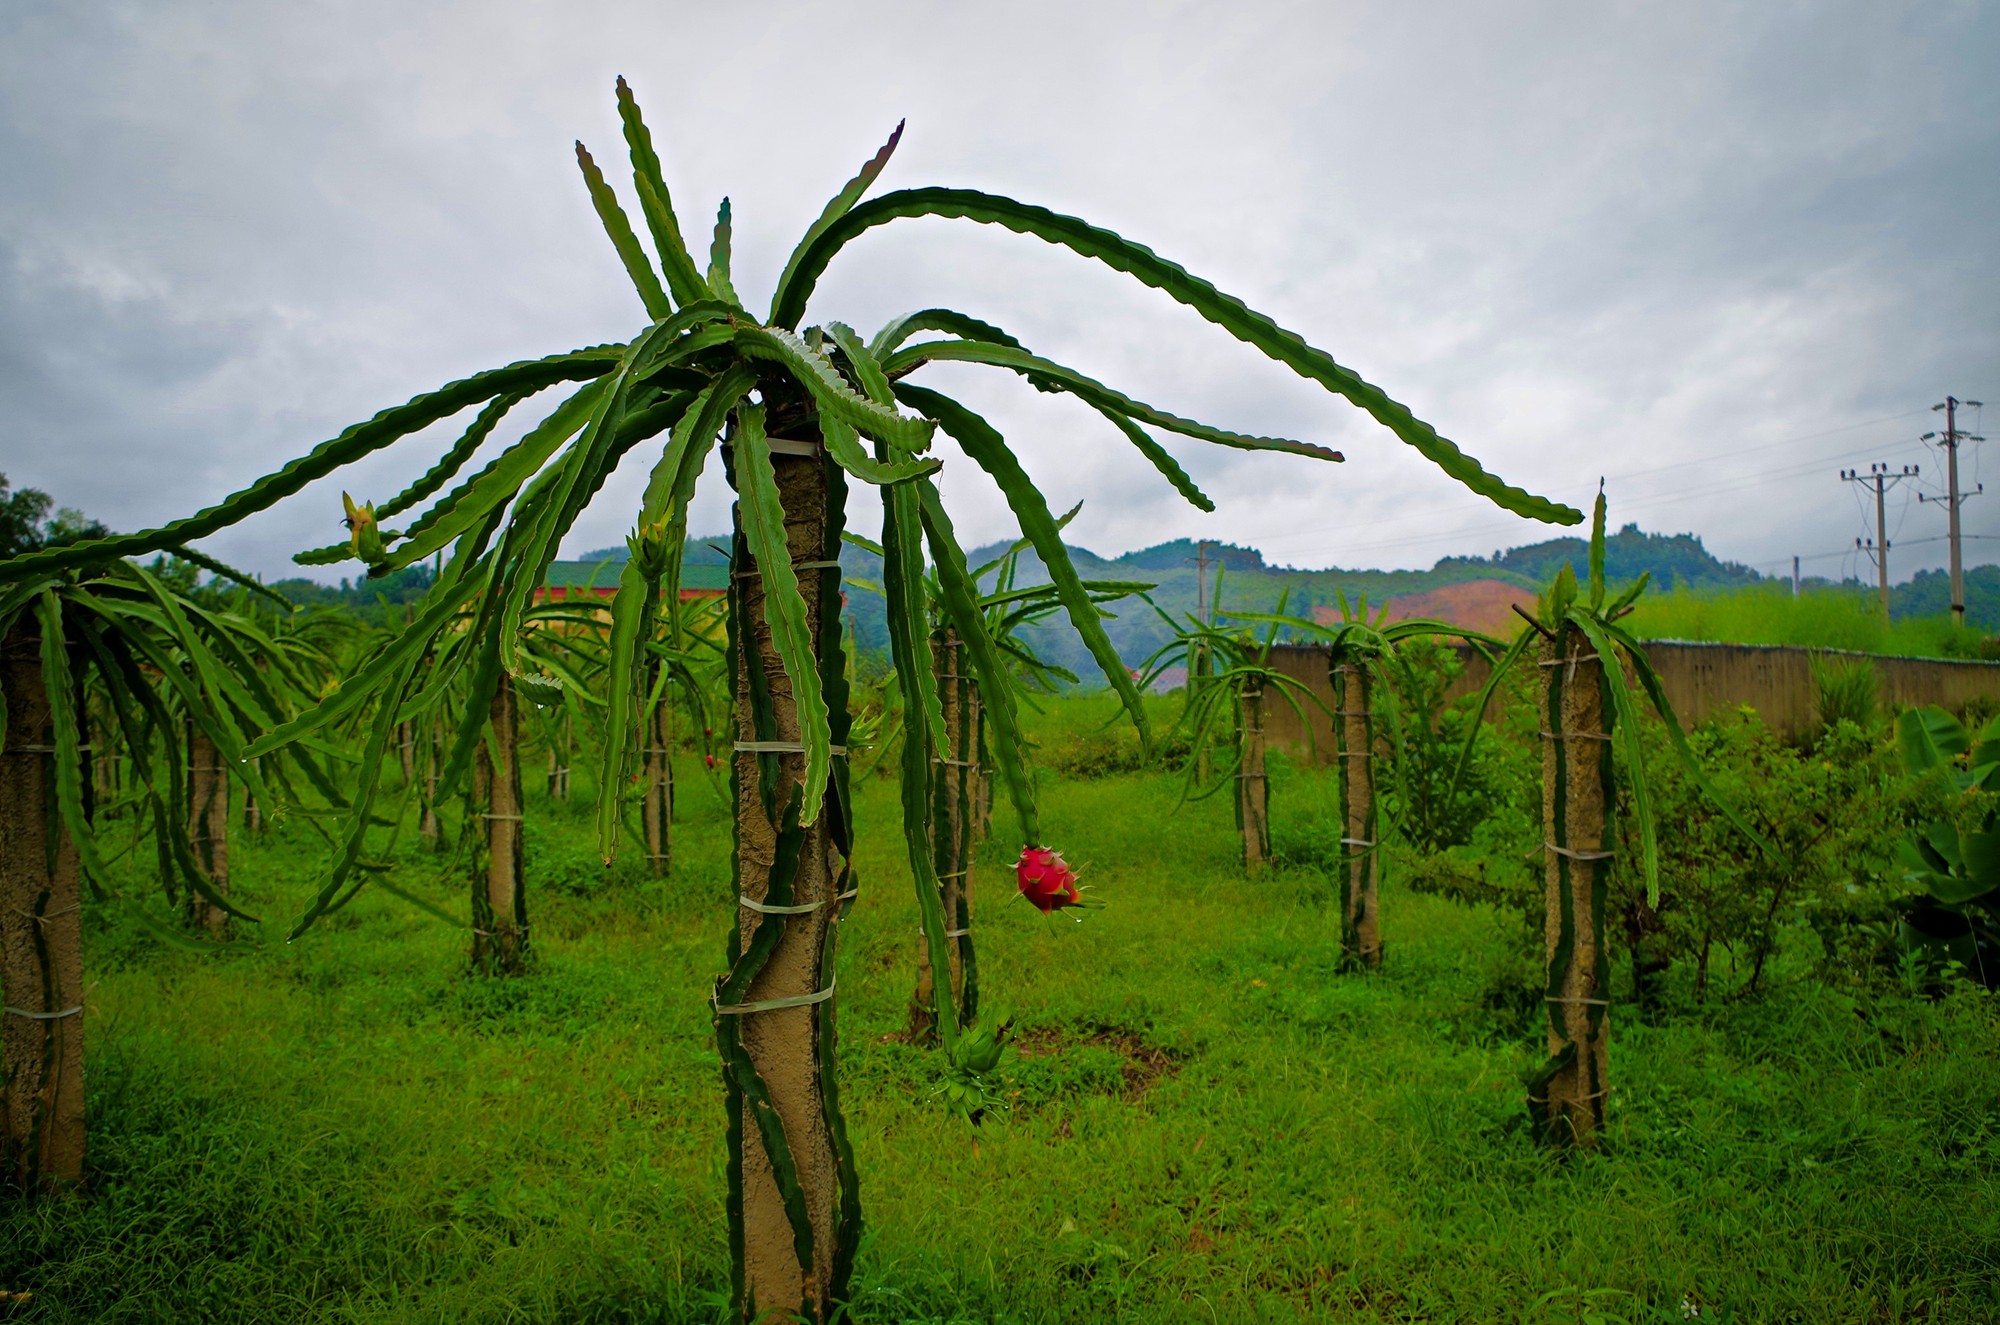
[1201, 580]
[1953, 498]
[1795, 575]
[1879, 478]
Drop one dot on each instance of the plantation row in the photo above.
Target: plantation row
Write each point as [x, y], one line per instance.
[140, 709]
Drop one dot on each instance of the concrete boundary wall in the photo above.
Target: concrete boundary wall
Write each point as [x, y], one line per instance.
[1701, 681]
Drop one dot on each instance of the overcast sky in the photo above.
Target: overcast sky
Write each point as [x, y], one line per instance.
[1715, 253]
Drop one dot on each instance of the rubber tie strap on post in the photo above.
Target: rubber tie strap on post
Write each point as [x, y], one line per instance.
[1594, 1002]
[960, 763]
[805, 909]
[45, 916]
[1579, 855]
[956, 933]
[1353, 754]
[782, 748]
[515, 817]
[43, 1016]
[1574, 736]
[774, 1004]
[792, 446]
[1356, 842]
[44, 749]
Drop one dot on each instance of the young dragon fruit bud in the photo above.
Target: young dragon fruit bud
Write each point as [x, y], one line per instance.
[710, 759]
[1046, 879]
[363, 532]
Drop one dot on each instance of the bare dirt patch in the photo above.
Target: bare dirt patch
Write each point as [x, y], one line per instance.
[1140, 1064]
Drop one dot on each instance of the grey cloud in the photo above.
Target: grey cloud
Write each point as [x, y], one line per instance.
[1606, 239]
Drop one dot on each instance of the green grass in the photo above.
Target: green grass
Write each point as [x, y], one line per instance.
[1215, 1126]
[1825, 618]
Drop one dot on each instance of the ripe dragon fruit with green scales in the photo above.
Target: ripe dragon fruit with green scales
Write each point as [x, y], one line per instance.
[1047, 880]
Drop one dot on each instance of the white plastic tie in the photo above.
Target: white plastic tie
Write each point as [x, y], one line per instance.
[774, 1004]
[1578, 855]
[805, 909]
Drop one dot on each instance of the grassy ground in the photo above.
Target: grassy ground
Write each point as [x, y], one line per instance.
[1214, 1125]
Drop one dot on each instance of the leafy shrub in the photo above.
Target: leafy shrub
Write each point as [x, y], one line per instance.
[1833, 812]
[1424, 733]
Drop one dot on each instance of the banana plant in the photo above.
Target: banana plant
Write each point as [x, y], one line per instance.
[1956, 916]
[801, 411]
[1589, 706]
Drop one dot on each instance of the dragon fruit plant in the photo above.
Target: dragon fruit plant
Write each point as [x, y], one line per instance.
[101, 660]
[1590, 717]
[1358, 649]
[802, 412]
[1230, 678]
[959, 766]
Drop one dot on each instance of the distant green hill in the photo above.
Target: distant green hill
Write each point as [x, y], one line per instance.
[1672, 560]
[1250, 584]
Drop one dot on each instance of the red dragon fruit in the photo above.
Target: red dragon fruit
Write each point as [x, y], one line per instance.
[1046, 880]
